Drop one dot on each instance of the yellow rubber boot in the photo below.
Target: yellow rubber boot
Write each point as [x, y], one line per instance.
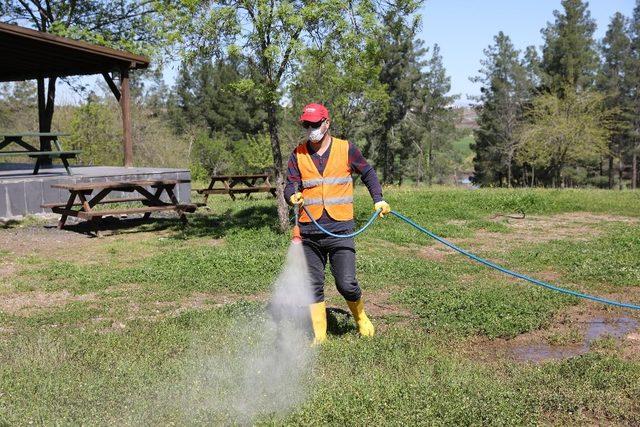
[365, 327]
[319, 322]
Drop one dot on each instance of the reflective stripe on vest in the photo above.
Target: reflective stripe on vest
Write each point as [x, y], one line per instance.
[315, 182]
[333, 190]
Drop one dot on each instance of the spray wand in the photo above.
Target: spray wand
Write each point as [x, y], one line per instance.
[295, 234]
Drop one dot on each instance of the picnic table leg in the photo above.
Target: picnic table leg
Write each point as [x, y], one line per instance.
[156, 199]
[229, 185]
[174, 200]
[94, 222]
[36, 168]
[211, 184]
[69, 205]
[65, 163]
[272, 190]
[250, 183]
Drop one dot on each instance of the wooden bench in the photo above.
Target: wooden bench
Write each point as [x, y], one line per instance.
[40, 155]
[237, 184]
[81, 194]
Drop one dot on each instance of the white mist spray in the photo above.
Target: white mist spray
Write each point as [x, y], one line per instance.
[268, 360]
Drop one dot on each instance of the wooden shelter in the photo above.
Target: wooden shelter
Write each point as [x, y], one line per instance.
[28, 54]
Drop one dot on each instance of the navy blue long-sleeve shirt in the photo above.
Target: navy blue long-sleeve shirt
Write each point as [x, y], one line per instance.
[357, 163]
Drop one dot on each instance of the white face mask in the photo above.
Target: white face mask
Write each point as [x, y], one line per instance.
[315, 135]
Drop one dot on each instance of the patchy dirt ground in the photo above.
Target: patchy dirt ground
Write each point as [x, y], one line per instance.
[47, 242]
[575, 226]
[25, 303]
[570, 333]
[37, 239]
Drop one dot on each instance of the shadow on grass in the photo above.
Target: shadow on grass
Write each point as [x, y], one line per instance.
[199, 224]
[339, 322]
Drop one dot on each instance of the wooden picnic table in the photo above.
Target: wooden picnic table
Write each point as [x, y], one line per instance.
[238, 184]
[43, 153]
[81, 194]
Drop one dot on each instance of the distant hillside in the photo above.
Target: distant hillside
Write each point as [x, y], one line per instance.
[468, 118]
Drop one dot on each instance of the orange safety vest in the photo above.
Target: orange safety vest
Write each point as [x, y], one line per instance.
[333, 190]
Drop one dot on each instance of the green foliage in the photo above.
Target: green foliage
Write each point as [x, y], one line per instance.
[95, 129]
[123, 24]
[212, 153]
[429, 126]
[565, 131]
[18, 105]
[569, 59]
[506, 89]
[256, 152]
[569, 65]
[215, 96]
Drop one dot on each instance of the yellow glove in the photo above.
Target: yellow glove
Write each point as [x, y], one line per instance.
[384, 206]
[297, 199]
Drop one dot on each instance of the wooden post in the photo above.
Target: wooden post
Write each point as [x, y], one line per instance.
[45, 143]
[125, 105]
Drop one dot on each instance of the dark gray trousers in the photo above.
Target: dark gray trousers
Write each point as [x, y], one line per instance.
[341, 254]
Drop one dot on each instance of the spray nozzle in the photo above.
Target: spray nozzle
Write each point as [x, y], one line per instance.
[295, 233]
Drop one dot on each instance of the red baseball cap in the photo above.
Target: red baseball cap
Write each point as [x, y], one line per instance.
[314, 113]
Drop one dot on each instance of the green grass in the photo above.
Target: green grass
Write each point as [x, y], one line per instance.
[463, 145]
[126, 353]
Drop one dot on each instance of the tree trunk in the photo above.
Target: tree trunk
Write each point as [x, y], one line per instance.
[283, 209]
[509, 171]
[620, 170]
[430, 165]
[610, 171]
[46, 106]
[634, 170]
[420, 166]
[125, 109]
[533, 176]
[601, 166]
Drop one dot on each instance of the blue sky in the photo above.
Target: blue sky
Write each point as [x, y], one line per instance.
[463, 28]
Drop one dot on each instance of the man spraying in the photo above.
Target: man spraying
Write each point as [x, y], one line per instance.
[322, 166]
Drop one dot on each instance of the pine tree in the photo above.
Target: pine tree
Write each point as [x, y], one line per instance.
[632, 73]
[505, 90]
[615, 49]
[401, 62]
[434, 115]
[569, 57]
[206, 96]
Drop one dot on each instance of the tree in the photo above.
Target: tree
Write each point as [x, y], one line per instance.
[505, 91]
[17, 105]
[270, 36]
[94, 130]
[434, 115]
[344, 79]
[401, 63]
[569, 58]
[206, 95]
[612, 83]
[632, 74]
[564, 130]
